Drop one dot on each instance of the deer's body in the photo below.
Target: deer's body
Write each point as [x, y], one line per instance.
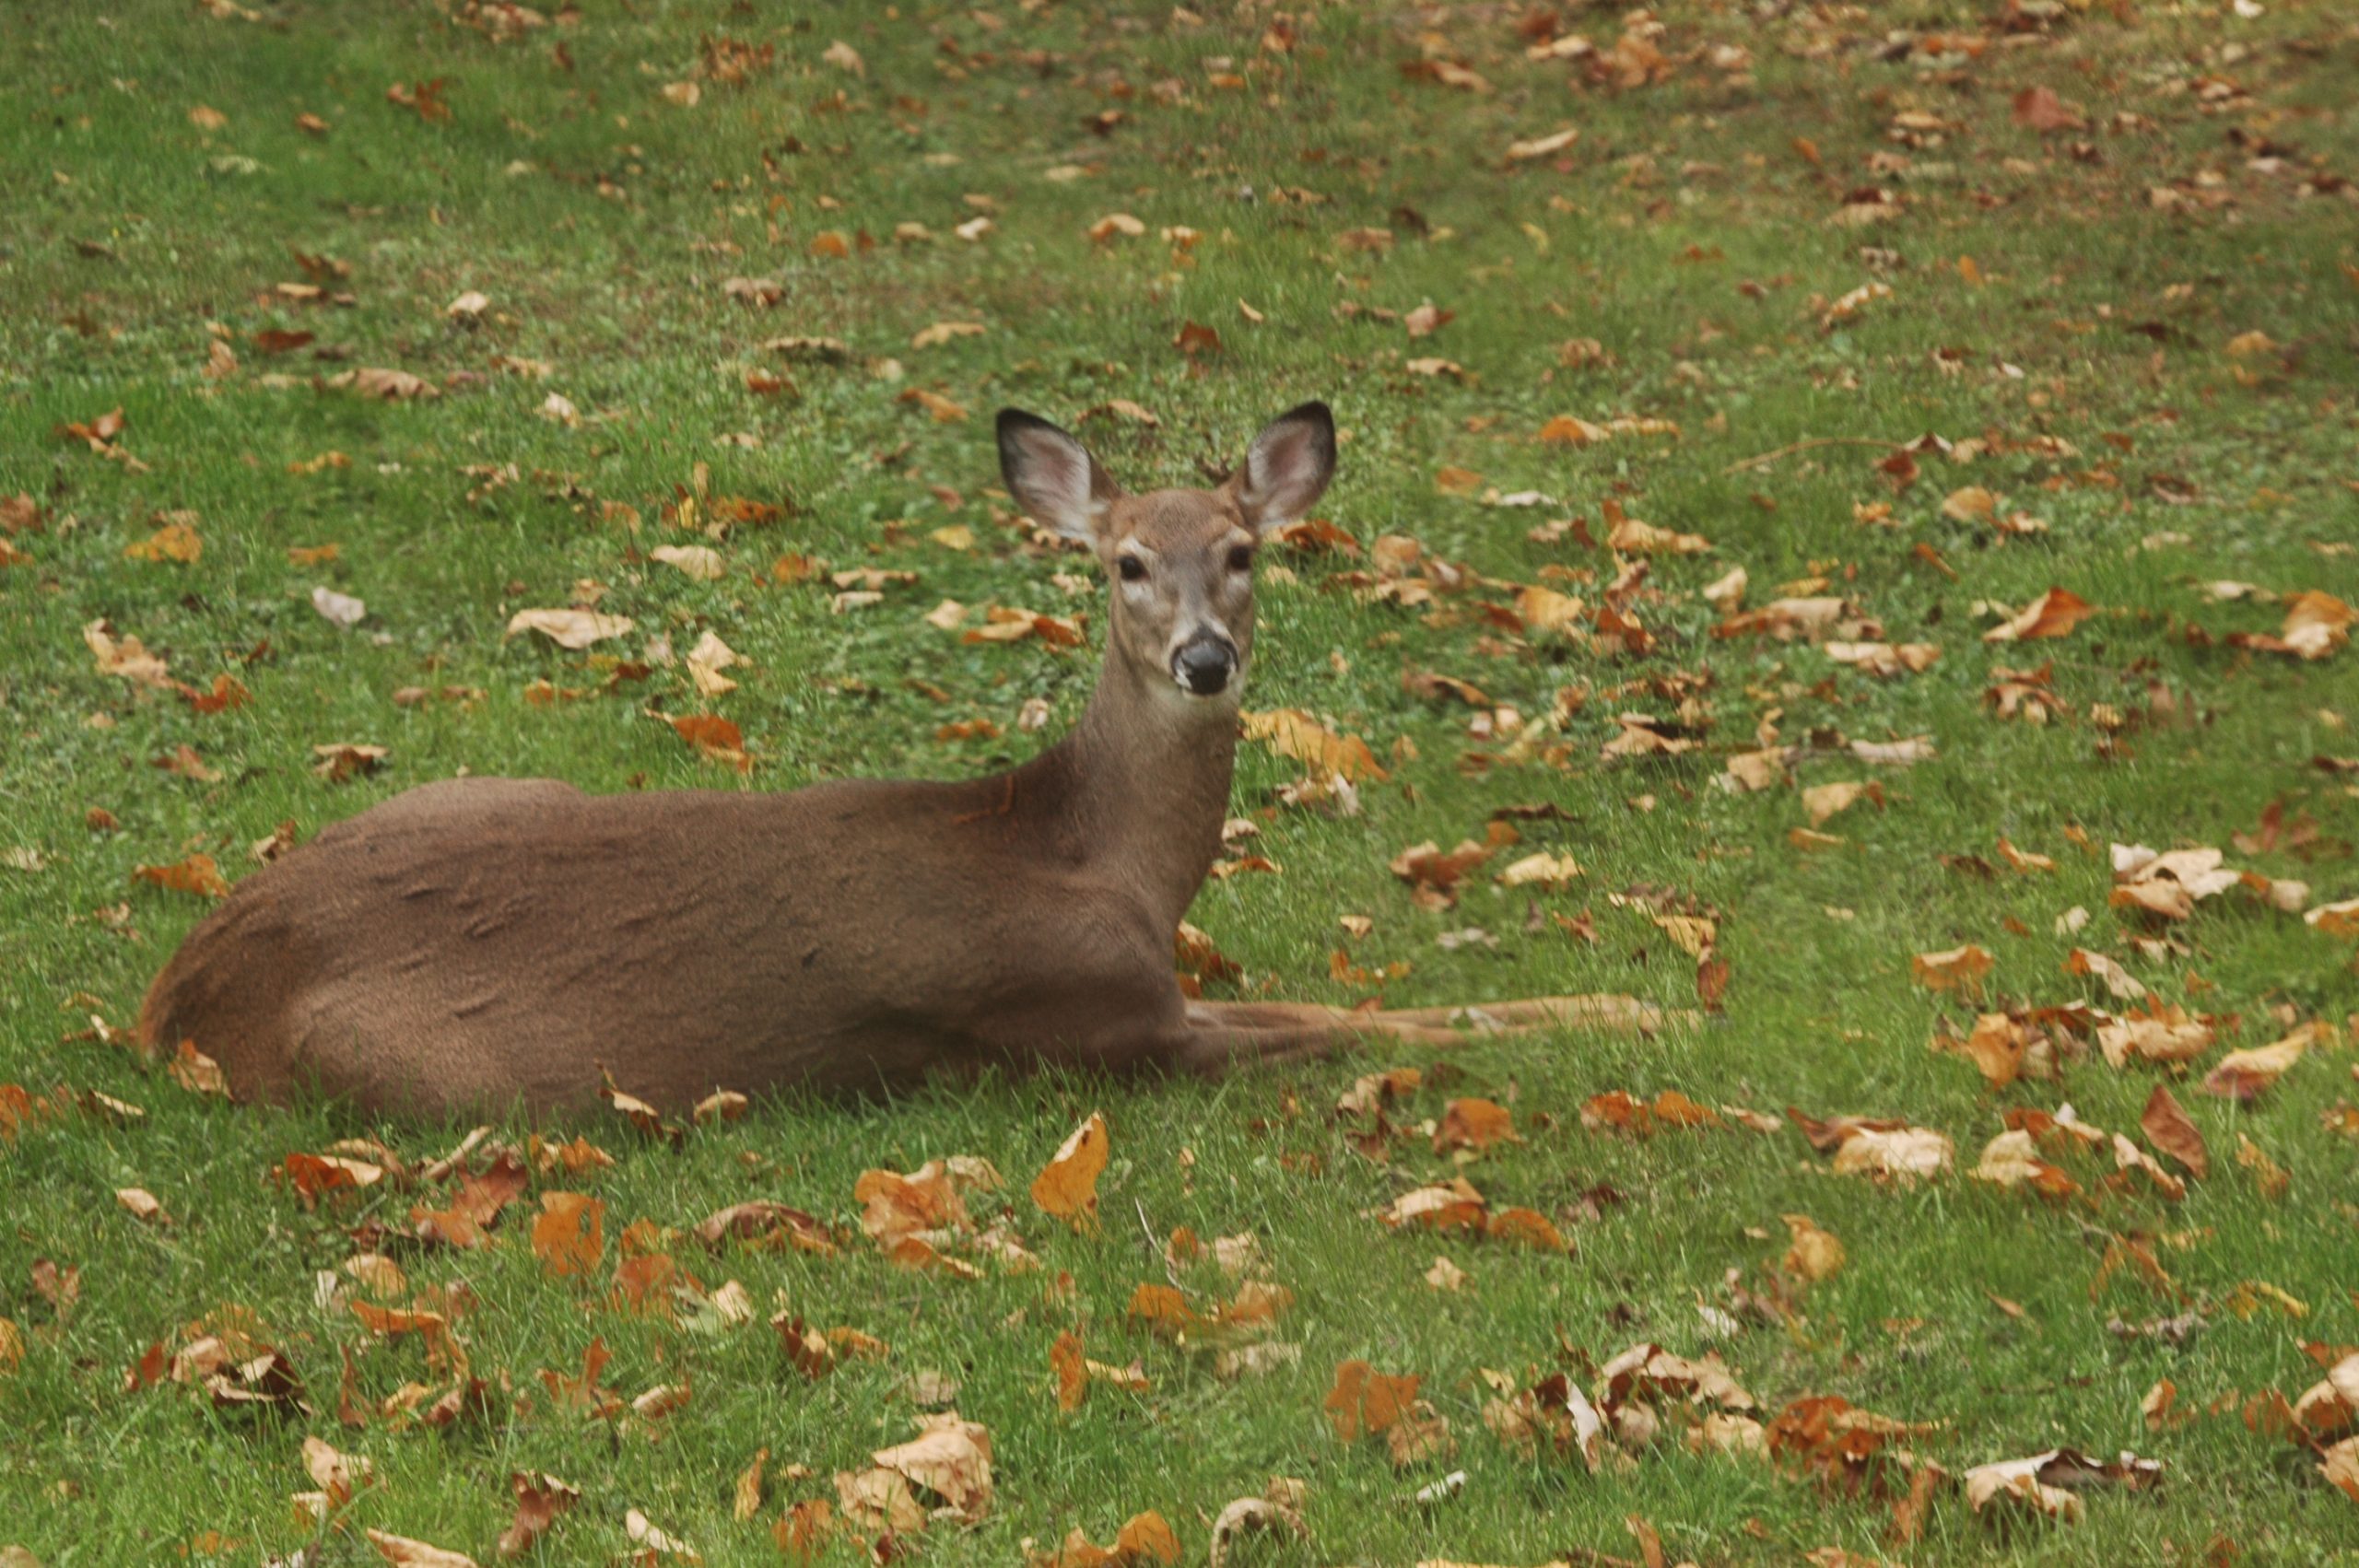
[481, 939]
[479, 943]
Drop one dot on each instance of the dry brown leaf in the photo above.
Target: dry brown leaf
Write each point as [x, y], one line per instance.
[2167, 1127]
[197, 875]
[1815, 1254]
[1825, 800]
[1473, 1124]
[1454, 1206]
[2053, 614]
[1958, 968]
[1883, 1153]
[950, 1458]
[2340, 1465]
[2243, 1076]
[2122, 985]
[2330, 1408]
[2001, 1047]
[2050, 1483]
[404, 1552]
[1544, 871]
[1291, 733]
[570, 629]
[540, 1498]
[2012, 1160]
[2316, 625]
[2163, 1031]
[768, 1226]
[1363, 1401]
[701, 562]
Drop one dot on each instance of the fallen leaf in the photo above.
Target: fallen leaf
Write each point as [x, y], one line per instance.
[2053, 614]
[712, 737]
[1363, 1401]
[568, 1235]
[1958, 968]
[338, 761]
[2050, 1483]
[2119, 982]
[2243, 1076]
[1067, 1187]
[701, 562]
[950, 1458]
[2167, 1127]
[1473, 1125]
[2162, 1032]
[1294, 733]
[175, 541]
[391, 386]
[570, 629]
[945, 332]
[404, 1552]
[1815, 1254]
[2000, 1045]
[197, 875]
[540, 1499]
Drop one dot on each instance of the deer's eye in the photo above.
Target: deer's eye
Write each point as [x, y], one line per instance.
[1240, 558]
[1132, 567]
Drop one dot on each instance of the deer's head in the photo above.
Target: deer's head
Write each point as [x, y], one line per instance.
[1181, 561]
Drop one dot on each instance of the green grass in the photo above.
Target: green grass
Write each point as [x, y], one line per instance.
[1685, 230]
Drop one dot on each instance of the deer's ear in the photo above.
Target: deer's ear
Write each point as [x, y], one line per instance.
[1287, 467]
[1052, 476]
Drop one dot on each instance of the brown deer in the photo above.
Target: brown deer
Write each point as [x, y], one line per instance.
[485, 942]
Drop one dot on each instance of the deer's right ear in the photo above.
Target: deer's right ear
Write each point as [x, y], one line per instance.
[1052, 476]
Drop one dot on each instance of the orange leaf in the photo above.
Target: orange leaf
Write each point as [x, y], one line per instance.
[2053, 614]
[176, 541]
[311, 1174]
[1959, 969]
[1528, 1226]
[1162, 1311]
[1071, 1369]
[1365, 1400]
[197, 875]
[582, 1393]
[568, 1237]
[1473, 1124]
[712, 738]
[1068, 1186]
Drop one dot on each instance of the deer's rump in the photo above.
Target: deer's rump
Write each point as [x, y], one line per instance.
[483, 942]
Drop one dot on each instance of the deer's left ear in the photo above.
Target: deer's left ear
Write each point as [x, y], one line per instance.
[1286, 469]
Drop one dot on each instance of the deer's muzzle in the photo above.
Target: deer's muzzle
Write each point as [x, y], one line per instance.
[1205, 665]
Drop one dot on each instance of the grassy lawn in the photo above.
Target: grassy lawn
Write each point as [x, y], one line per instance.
[1909, 313]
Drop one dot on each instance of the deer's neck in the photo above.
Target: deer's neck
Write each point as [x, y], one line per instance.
[1145, 778]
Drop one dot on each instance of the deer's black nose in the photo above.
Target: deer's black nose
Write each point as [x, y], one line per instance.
[1203, 665]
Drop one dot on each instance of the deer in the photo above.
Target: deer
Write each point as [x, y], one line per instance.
[489, 943]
